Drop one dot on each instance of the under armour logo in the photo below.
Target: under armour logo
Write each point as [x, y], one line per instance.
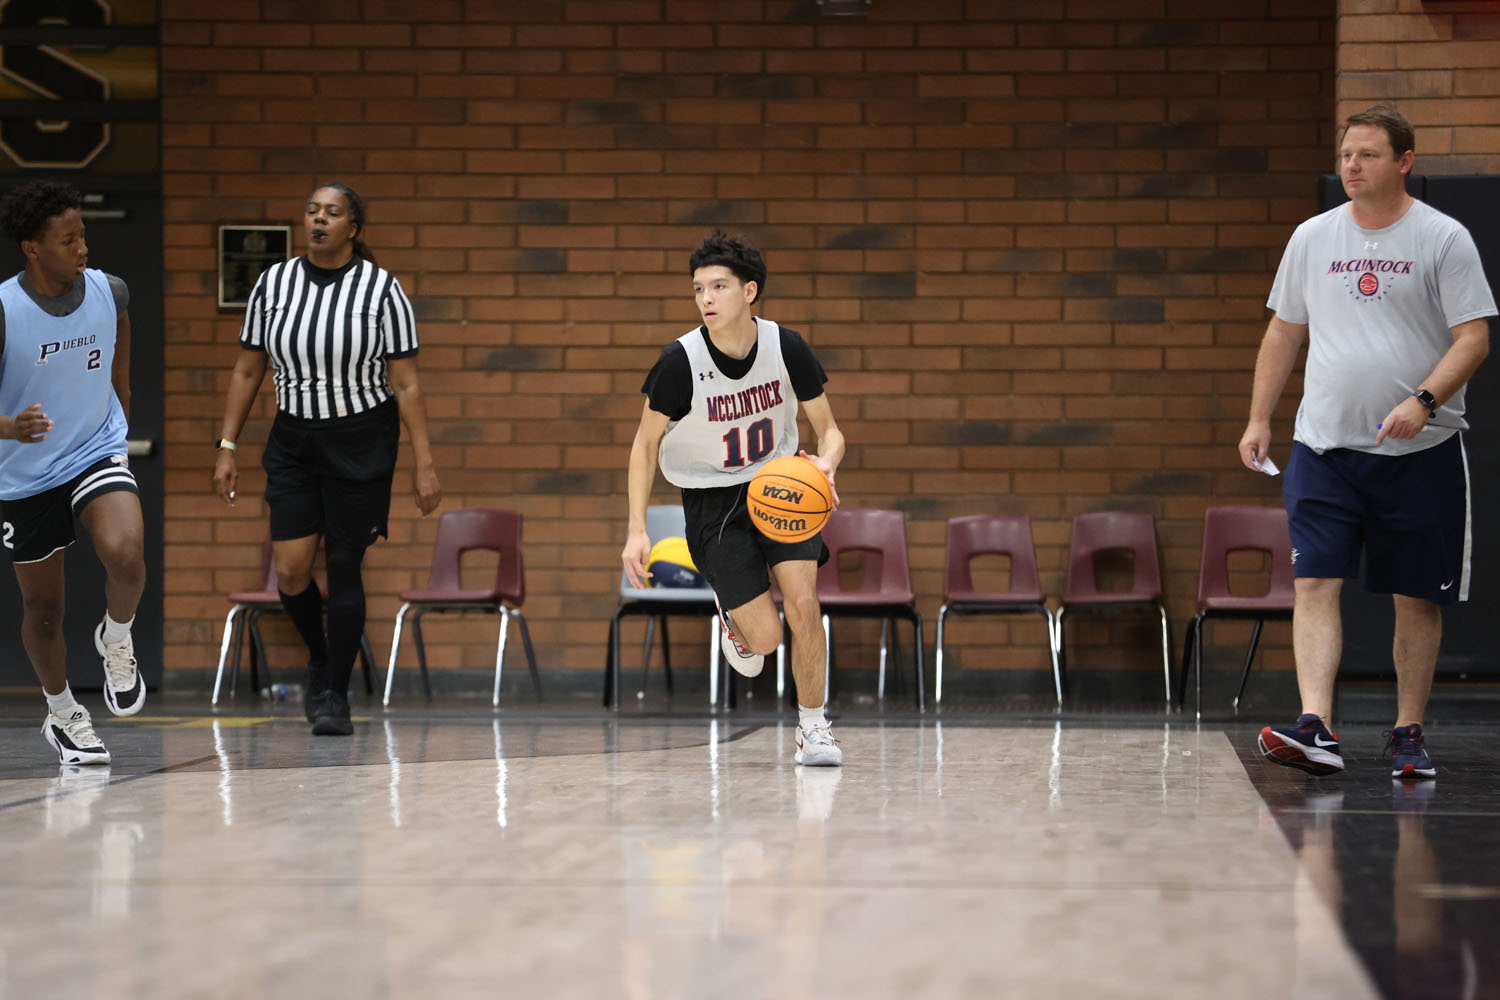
[1372, 244]
[705, 376]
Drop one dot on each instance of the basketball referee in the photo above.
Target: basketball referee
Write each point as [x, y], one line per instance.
[340, 333]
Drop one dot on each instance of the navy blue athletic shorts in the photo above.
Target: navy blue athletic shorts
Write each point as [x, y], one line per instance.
[1408, 514]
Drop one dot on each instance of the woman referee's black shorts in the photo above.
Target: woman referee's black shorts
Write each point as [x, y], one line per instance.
[728, 550]
[332, 477]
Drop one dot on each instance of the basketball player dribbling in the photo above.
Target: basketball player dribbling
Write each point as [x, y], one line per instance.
[64, 394]
[712, 451]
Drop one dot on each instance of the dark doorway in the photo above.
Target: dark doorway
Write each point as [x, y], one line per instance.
[1471, 630]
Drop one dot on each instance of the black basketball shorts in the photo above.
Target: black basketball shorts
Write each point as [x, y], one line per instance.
[332, 477]
[34, 527]
[732, 555]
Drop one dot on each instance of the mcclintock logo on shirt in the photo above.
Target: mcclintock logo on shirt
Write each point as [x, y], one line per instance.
[1370, 279]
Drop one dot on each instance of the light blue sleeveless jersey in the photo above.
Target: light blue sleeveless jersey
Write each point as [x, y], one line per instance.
[64, 363]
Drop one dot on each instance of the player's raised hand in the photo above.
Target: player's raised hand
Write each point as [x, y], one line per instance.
[31, 425]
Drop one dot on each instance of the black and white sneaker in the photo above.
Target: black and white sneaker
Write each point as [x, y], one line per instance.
[745, 661]
[72, 736]
[1306, 744]
[124, 691]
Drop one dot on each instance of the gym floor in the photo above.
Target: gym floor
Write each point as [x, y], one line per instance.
[447, 851]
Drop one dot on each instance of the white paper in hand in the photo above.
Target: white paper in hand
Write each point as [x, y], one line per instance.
[1267, 466]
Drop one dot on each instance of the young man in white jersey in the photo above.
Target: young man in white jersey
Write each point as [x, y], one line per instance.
[713, 452]
[1391, 299]
[64, 398]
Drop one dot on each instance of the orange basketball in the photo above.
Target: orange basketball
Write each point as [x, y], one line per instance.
[789, 499]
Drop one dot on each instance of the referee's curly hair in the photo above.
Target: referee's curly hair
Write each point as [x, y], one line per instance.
[25, 208]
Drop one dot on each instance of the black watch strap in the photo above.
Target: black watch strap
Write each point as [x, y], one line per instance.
[1428, 400]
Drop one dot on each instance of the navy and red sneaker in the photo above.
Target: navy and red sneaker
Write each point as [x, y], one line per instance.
[1408, 752]
[1307, 744]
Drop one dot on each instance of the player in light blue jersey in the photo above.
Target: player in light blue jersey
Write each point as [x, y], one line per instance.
[64, 399]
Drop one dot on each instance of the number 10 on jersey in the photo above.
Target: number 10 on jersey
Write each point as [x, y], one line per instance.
[759, 438]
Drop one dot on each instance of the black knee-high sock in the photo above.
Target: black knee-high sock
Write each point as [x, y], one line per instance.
[306, 612]
[346, 613]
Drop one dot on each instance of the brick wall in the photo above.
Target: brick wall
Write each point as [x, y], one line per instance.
[1032, 250]
[1441, 68]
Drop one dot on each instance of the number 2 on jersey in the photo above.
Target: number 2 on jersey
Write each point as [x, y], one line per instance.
[759, 439]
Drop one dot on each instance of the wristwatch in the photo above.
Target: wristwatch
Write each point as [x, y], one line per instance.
[226, 443]
[1428, 400]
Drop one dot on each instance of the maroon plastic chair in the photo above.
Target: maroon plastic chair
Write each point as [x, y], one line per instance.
[1111, 531]
[992, 534]
[1238, 529]
[246, 609]
[461, 531]
[885, 589]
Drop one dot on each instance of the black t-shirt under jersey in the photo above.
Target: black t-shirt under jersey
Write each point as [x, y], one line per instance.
[669, 384]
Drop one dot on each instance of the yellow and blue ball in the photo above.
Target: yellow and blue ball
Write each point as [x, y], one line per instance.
[671, 565]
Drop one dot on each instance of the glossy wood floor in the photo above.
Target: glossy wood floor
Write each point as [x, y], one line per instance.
[452, 853]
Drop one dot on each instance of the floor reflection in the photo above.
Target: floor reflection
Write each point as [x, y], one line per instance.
[589, 856]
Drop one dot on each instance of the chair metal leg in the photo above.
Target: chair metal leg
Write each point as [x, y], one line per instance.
[612, 667]
[885, 639]
[938, 654]
[390, 667]
[1198, 660]
[916, 620]
[235, 645]
[416, 634]
[257, 651]
[1052, 633]
[1166, 652]
[1187, 659]
[500, 656]
[713, 663]
[1249, 659]
[536, 677]
[1059, 644]
[781, 659]
[827, 659]
[646, 654]
[231, 634]
[666, 654]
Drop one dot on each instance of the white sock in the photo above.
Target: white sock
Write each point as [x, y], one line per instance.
[115, 631]
[811, 718]
[61, 705]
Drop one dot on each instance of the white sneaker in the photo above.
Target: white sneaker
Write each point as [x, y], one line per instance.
[745, 662]
[124, 691]
[73, 737]
[816, 747]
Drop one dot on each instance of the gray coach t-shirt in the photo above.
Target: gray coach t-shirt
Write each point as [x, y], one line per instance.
[1379, 305]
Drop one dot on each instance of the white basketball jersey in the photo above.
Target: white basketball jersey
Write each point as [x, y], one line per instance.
[735, 425]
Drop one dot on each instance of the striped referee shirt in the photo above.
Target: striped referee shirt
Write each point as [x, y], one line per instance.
[328, 334]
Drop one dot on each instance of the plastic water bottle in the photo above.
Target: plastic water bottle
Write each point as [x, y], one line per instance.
[281, 692]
